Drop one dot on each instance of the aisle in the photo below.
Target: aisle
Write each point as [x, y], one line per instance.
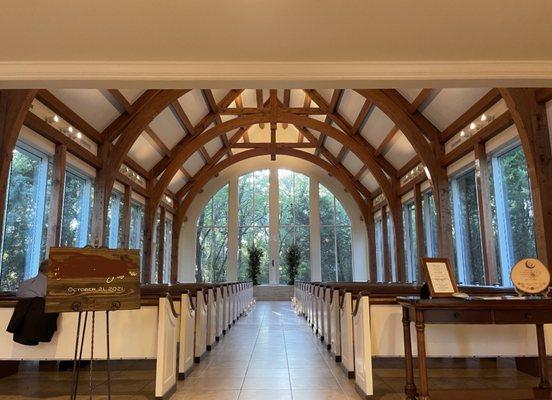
[270, 354]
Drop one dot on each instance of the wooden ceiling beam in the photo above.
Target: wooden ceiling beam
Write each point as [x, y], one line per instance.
[201, 126]
[348, 129]
[543, 95]
[213, 107]
[422, 100]
[53, 103]
[388, 141]
[332, 108]
[483, 104]
[256, 145]
[287, 99]
[360, 120]
[259, 97]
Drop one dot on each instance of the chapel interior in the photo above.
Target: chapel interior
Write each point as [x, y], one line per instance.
[286, 179]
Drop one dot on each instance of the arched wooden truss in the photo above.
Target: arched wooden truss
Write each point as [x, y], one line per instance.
[526, 108]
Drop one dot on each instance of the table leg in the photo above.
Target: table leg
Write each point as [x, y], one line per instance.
[422, 367]
[542, 391]
[409, 387]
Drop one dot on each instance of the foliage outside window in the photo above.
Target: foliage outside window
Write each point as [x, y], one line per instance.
[513, 222]
[76, 210]
[469, 259]
[294, 206]
[429, 216]
[335, 238]
[25, 217]
[253, 220]
[212, 239]
[380, 273]
[137, 227]
[410, 247]
[114, 220]
[168, 251]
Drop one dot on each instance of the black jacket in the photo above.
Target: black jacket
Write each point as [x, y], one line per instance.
[30, 324]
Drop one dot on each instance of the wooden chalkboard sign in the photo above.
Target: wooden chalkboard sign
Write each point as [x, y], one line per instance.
[93, 279]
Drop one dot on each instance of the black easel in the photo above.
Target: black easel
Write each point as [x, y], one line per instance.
[78, 352]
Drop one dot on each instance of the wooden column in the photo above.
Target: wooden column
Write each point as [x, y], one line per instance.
[59, 165]
[441, 194]
[419, 228]
[384, 239]
[532, 125]
[176, 227]
[485, 214]
[147, 251]
[127, 207]
[161, 241]
[103, 184]
[14, 105]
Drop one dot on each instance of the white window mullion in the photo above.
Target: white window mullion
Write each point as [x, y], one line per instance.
[459, 233]
[31, 267]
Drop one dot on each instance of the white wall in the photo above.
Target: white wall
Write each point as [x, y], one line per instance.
[186, 267]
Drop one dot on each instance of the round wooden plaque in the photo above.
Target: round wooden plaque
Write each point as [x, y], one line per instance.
[530, 276]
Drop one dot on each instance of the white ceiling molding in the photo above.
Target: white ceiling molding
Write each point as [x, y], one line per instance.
[29, 74]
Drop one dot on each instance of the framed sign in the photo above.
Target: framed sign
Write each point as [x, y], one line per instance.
[439, 277]
[93, 279]
[530, 276]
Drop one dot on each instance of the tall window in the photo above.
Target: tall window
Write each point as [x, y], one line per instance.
[114, 220]
[168, 251]
[212, 239]
[335, 239]
[76, 210]
[380, 273]
[466, 230]
[137, 227]
[294, 201]
[429, 215]
[253, 220]
[410, 244]
[391, 244]
[25, 216]
[513, 211]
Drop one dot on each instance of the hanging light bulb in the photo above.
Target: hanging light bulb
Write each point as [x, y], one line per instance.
[462, 134]
[473, 126]
[484, 118]
[79, 135]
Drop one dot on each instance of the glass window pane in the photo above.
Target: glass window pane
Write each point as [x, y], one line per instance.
[466, 222]
[326, 206]
[24, 219]
[328, 254]
[74, 223]
[344, 254]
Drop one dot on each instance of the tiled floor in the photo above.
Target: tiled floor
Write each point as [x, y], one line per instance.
[272, 354]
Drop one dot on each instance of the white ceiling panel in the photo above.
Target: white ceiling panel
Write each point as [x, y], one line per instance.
[131, 94]
[194, 163]
[449, 104]
[144, 153]
[369, 182]
[213, 146]
[297, 98]
[177, 182]
[401, 152]
[194, 105]
[410, 93]
[377, 127]
[90, 104]
[326, 94]
[219, 94]
[332, 145]
[168, 128]
[350, 105]
[249, 98]
[352, 163]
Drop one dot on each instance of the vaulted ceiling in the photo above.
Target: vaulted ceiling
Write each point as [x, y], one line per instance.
[197, 111]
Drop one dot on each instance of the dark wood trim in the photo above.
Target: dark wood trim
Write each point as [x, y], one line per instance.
[14, 106]
[488, 132]
[532, 125]
[485, 213]
[490, 99]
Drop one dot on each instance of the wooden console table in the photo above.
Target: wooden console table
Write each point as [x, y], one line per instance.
[470, 311]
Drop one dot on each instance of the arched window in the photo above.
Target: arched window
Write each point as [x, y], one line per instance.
[212, 239]
[253, 220]
[335, 238]
[294, 218]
